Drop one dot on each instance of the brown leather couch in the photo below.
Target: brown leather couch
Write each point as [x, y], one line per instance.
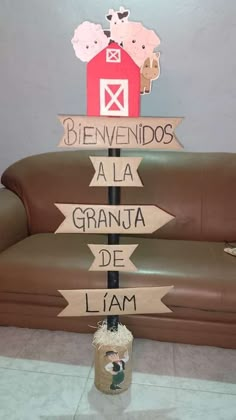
[199, 189]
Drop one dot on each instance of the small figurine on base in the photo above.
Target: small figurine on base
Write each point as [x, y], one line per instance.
[116, 367]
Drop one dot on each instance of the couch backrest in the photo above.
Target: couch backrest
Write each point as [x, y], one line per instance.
[198, 188]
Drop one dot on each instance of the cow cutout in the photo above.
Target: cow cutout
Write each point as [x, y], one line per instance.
[118, 16]
[115, 17]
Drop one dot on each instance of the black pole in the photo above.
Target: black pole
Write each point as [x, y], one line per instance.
[113, 239]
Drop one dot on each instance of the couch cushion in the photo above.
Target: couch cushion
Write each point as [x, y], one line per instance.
[203, 275]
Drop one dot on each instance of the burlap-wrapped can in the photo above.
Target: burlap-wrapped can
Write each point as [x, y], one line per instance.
[113, 359]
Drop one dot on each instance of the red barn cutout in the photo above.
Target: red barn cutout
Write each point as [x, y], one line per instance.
[113, 84]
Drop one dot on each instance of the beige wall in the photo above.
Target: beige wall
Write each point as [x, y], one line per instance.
[41, 77]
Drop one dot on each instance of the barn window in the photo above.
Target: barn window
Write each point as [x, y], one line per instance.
[113, 55]
[114, 97]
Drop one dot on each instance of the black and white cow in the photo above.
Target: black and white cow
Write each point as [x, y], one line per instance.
[116, 17]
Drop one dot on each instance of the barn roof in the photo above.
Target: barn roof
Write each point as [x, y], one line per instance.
[114, 46]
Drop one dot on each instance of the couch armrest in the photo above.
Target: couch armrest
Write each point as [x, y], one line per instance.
[13, 219]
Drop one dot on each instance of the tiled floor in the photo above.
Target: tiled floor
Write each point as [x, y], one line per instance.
[49, 375]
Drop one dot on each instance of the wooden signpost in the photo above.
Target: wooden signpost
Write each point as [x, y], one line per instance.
[113, 172]
[113, 122]
[114, 219]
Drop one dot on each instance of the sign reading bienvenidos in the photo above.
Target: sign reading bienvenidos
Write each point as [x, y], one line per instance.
[127, 133]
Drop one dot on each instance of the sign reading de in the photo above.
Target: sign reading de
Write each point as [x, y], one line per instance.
[82, 218]
[112, 257]
[140, 300]
[123, 132]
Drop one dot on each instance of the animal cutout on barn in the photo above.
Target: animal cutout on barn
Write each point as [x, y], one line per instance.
[121, 65]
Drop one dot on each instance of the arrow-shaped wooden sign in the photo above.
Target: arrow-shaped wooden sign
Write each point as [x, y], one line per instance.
[85, 218]
[142, 300]
[112, 257]
[115, 171]
[127, 133]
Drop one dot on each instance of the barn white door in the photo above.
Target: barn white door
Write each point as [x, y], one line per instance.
[114, 97]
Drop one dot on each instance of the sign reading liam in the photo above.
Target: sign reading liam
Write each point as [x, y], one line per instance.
[109, 132]
[140, 300]
[85, 218]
